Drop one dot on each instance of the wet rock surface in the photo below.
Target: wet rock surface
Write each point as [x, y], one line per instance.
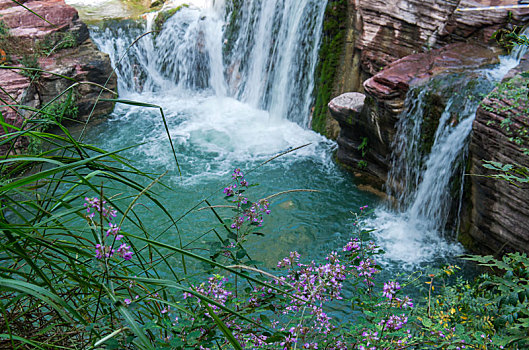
[385, 94]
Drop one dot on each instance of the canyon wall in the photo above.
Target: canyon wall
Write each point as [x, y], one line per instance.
[495, 213]
[392, 46]
[374, 33]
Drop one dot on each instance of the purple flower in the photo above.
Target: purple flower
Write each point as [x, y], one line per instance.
[100, 207]
[124, 251]
[394, 322]
[103, 251]
[127, 301]
[352, 246]
[113, 230]
[229, 191]
[390, 288]
[237, 173]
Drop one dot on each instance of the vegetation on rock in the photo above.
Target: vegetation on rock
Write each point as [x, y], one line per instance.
[332, 46]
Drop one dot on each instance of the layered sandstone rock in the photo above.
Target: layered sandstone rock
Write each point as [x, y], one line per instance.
[495, 214]
[378, 33]
[42, 41]
[384, 33]
[389, 30]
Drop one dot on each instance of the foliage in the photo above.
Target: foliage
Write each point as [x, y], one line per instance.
[4, 29]
[80, 268]
[32, 62]
[509, 38]
[508, 172]
[57, 111]
[95, 270]
[510, 100]
[56, 41]
[331, 49]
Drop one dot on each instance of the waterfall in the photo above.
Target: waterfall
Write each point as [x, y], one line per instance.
[427, 175]
[235, 79]
[263, 53]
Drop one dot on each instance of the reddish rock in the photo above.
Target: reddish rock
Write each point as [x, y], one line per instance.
[84, 63]
[385, 96]
[495, 212]
[395, 80]
[391, 29]
[58, 17]
[14, 87]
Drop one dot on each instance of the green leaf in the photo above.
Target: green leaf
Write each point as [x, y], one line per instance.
[427, 322]
[60, 305]
[223, 328]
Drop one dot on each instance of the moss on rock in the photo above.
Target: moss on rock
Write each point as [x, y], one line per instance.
[331, 50]
[163, 16]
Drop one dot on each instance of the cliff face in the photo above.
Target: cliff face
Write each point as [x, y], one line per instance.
[55, 40]
[496, 212]
[401, 44]
[389, 30]
[375, 33]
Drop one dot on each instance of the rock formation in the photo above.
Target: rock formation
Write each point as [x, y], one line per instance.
[412, 42]
[377, 33]
[55, 40]
[386, 93]
[389, 30]
[495, 212]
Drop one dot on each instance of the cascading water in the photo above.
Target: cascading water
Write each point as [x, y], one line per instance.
[240, 77]
[235, 84]
[262, 53]
[426, 176]
[235, 80]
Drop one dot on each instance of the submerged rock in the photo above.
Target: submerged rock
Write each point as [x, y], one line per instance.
[59, 44]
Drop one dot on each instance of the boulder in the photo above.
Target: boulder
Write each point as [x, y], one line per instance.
[40, 40]
[53, 16]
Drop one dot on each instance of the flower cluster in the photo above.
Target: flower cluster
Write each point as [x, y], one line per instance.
[95, 205]
[103, 251]
[98, 206]
[124, 251]
[290, 260]
[252, 215]
[352, 246]
[394, 322]
[214, 288]
[390, 288]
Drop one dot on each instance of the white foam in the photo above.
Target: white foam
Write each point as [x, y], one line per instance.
[409, 242]
[214, 134]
